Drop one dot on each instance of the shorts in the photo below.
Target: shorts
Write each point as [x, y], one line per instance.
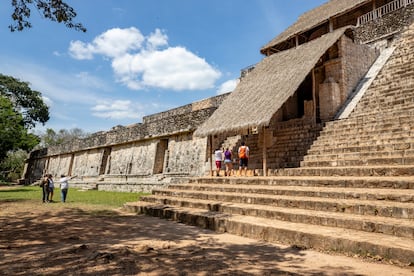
[227, 161]
[244, 162]
[218, 164]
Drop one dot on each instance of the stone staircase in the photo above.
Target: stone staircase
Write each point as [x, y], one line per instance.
[352, 194]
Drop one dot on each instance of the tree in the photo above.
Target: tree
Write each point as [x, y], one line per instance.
[53, 138]
[20, 109]
[13, 134]
[54, 10]
[24, 99]
[11, 168]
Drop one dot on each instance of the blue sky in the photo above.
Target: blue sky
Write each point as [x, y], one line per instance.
[139, 57]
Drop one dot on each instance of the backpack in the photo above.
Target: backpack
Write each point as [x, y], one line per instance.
[242, 152]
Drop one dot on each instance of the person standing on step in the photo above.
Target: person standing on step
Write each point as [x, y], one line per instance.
[218, 156]
[64, 186]
[228, 162]
[244, 158]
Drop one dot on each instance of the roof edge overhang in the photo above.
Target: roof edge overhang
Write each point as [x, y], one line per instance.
[263, 92]
[280, 38]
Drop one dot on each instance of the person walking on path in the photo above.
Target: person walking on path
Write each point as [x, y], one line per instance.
[244, 158]
[64, 186]
[218, 156]
[228, 162]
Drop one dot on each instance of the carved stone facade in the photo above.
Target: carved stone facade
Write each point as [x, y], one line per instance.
[161, 145]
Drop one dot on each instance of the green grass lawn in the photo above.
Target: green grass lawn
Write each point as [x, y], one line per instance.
[90, 197]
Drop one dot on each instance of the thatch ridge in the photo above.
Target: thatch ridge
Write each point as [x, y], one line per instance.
[264, 90]
[314, 17]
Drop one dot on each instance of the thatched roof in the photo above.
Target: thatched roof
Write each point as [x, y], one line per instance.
[265, 89]
[315, 17]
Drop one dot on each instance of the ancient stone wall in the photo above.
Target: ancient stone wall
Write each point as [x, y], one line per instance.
[388, 24]
[59, 164]
[185, 109]
[186, 155]
[136, 158]
[342, 75]
[134, 149]
[356, 59]
[87, 163]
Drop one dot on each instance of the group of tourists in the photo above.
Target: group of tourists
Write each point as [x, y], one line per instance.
[225, 156]
[47, 184]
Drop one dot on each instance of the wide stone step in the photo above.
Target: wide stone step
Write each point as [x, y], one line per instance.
[363, 146]
[321, 155]
[397, 96]
[359, 132]
[396, 195]
[361, 207]
[397, 249]
[364, 133]
[379, 182]
[375, 110]
[391, 148]
[348, 171]
[386, 117]
[398, 117]
[398, 93]
[385, 225]
[339, 162]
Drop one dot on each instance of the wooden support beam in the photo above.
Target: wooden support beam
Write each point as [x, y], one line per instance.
[264, 152]
[314, 94]
[209, 152]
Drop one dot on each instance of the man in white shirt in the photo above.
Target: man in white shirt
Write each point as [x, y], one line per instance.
[64, 186]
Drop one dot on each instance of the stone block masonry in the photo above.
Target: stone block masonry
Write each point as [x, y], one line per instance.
[161, 144]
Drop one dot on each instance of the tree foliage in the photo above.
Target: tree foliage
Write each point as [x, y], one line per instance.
[54, 10]
[11, 168]
[24, 100]
[13, 134]
[20, 109]
[53, 138]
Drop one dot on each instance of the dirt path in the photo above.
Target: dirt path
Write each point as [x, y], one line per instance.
[63, 239]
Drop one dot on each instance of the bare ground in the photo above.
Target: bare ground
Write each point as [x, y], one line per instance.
[68, 239]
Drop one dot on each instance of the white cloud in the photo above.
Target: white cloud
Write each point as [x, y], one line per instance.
[112, 43]
[118, 109]
[227, 86]
[155, 65]
[79, 50]
[157, 39]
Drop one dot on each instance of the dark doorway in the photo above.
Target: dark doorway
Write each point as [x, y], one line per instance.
[104, 161]
[162, 146]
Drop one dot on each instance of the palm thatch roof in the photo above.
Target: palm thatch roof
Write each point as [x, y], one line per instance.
[315, 17]
[263, 91]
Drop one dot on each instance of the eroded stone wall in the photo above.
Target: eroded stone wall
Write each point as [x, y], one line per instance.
[136, 158]
[342, 75]
[59, 164]
[388, 24]
[87, 163]
[186, 155]
[356, 59]
[132, 150]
